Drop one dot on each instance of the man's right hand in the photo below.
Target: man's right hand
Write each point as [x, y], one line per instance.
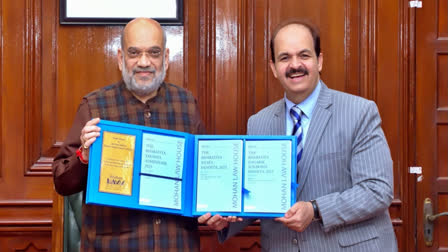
[217, 222]
[88, 135]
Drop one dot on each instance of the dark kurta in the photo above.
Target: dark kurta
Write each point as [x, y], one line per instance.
[118, 229]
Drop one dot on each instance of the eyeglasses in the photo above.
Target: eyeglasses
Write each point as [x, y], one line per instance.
[137, 53]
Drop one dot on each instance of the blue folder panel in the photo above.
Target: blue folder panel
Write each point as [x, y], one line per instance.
[179, 173]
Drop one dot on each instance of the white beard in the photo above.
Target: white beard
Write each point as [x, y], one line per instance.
[145, 89]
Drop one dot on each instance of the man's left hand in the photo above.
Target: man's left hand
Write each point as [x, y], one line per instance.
[298, 217]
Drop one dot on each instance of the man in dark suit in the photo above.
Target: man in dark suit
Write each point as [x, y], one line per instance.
[345, 172]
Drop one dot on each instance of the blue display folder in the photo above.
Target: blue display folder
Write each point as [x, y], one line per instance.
[174, 172]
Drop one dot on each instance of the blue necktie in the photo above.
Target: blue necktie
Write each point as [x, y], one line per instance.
[296, 114]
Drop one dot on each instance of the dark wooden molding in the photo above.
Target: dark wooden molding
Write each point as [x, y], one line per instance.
[25, 203]
[36, 230]
[396, 202]
[406, 123]
[442, 185]
[31, 247]
[1, 96]
[27, 240]
[57, 235]
[26, 223]
[33, 89]
[207, 40]
[368, 53]
[42, 166]
[25, 213]
[261, 51]
[245, 62]
[352, 47]
[49, 123]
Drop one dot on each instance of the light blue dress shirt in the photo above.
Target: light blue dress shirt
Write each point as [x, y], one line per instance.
[307, 107]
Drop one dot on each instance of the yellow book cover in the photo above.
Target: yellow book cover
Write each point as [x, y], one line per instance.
[117, 163]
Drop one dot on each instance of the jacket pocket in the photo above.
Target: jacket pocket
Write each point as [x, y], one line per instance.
[357, 233]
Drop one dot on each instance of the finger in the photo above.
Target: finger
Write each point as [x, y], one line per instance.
[91, 126]
[88, 143]
[203, 218]
[292, 210]
[90, 135]
[230, 218]
[90, 129]
[217, 222]
[94, 121]
[214, 219]
[219, 225]
[280, 219]
[284, 220]
[233, 219]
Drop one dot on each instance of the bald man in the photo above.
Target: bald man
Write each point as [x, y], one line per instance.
[141, 97]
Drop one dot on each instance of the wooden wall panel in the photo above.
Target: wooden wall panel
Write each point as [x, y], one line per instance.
[247, 240]
[221, 54]
[258, 89]
[442, 23]
[389, 97]
[431, 119]
[175, 43]
[226, 50]
[441, 229]
[25, 186]
[32, 240]
[1, 96]
[86, 60]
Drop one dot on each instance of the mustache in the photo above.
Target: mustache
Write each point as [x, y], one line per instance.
[299, 70]
[144, 69]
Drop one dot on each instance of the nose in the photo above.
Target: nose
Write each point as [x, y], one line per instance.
[144, 60]
[295, 62]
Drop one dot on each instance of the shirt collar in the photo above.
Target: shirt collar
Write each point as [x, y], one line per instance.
[307, 106]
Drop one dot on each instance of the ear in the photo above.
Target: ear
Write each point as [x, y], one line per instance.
[120, 59]
[167, 58]
[320, 61]
[274, 70]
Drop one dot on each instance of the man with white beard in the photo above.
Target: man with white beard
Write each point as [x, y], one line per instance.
[142, 98]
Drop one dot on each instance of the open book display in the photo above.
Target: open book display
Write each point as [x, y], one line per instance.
[174, 172]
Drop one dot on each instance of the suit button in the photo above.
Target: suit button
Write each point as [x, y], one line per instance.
[295, 241]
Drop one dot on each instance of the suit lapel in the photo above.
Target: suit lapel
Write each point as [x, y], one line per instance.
[278, 120]
[321, 116]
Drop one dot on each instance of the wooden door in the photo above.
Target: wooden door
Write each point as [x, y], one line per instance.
[432, 119]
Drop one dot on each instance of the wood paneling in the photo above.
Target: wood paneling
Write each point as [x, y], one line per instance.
[25, 186]
[431, 126]
[388, 66]
[442, 80]
[442, 147]
[442, 24]
[442, 223]
[26, 240]
[222, 55]
[247, 240]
